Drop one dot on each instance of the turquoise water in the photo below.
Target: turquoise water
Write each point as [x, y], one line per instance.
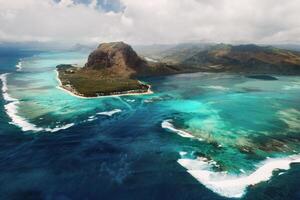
[221, 129]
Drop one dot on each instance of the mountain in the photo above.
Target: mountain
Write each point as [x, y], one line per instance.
[245, 59]
[119, 59]
[180, 52]
[250, 58]
[116, 58]
[153, 51]
[112, 68]
[172, 53]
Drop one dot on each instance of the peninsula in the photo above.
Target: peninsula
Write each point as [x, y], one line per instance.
[111, 69]
[116, 69]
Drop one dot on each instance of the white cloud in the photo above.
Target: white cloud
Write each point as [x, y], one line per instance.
[93, 4]
[155, 21]
[66, 3]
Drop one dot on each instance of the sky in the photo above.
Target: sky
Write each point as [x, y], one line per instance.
[150, 21]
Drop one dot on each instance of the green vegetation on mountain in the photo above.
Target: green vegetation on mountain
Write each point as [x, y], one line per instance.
[91, 83]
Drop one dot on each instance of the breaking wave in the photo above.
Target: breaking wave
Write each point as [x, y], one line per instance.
[110, 113]
[234, 186]
[217, 87]
[166, 124]
[11, 108]
[19, 65]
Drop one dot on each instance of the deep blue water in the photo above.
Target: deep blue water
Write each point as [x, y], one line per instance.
[129, 155]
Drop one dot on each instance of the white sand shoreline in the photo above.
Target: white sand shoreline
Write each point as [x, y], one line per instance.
[60, 86]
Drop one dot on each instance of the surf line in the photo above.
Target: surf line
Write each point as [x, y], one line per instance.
[19, 65]
[11, 108]
[234, 186]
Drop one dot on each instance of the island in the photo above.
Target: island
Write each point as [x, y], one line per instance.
[116, 69]
[112, 69]
[94, 83]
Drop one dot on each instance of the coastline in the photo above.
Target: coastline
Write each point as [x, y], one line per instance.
[60, 86]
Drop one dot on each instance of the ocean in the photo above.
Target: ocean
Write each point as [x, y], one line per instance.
[198, 136]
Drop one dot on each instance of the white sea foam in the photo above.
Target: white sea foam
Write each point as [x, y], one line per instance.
[148, 101]
[3, 78]
[234, 186]
[91, 118]
[12, 111]
[58, 128]
[217, 87]
[12, 108]
[19, 65]
[110, 113]
[130, 100]
[166, 124]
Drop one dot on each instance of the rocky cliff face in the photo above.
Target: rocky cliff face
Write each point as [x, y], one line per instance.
[116, 57]
[120, 60]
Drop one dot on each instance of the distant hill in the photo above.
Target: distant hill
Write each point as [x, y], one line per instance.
[181, 52]
[245, 58]
[248, 58]
[153, 51]
[172, 53]
[292, 47]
